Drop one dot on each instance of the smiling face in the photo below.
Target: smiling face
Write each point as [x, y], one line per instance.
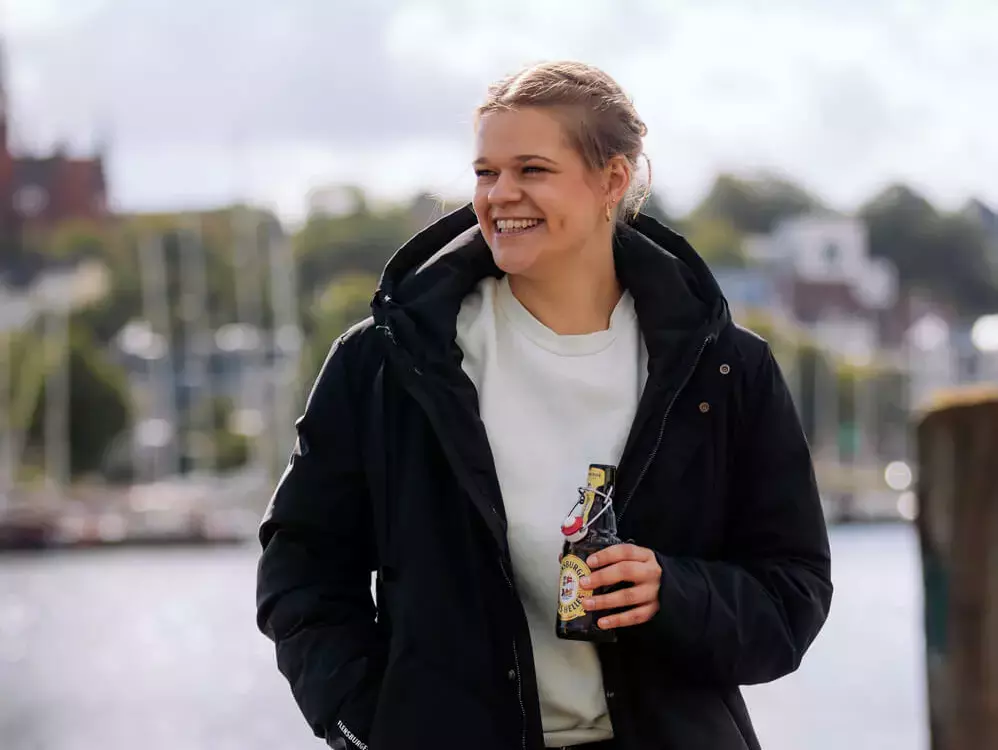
[537, 202]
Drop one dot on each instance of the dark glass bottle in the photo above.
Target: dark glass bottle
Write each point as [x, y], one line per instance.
[590, 527]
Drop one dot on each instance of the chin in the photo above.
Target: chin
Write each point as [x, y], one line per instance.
[515, 261]
[515, 264]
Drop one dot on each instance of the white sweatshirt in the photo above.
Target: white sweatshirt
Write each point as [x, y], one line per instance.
[551, 405]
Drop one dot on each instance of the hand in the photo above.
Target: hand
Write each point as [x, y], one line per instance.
[624, 563]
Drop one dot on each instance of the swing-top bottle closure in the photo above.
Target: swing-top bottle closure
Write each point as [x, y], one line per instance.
[577, 524]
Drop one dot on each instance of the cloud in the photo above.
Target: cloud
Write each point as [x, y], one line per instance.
[301, 69]
[844, 96]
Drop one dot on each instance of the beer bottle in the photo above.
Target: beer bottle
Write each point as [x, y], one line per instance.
[590, 527]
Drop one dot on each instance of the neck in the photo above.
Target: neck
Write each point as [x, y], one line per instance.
[577, 298]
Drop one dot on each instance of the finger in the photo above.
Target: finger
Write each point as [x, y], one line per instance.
[634, 596]
[636, 616]
[619, 553]
[633, 572]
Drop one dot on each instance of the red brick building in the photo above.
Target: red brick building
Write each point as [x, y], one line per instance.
[37, 192]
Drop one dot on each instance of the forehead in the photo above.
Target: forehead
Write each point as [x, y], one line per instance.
[509, 133]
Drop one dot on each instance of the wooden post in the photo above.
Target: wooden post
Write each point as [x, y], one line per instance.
[958, 531]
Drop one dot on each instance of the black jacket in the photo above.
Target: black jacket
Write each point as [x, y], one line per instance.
[392, 473]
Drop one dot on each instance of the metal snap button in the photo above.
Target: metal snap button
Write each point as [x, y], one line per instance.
[511, 674]
[704, 407]
[725, 369]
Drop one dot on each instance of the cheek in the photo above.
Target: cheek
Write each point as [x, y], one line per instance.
[570, 210]
[480, 204]
[556, 207]
[575, 220]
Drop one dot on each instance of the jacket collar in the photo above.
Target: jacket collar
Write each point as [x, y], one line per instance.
[422, 287]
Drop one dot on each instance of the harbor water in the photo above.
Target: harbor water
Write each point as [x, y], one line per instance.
[157, 649]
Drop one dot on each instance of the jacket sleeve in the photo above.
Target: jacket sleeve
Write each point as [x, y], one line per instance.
[314, 576]
[749, 617]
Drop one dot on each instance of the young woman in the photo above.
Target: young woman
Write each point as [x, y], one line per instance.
[513, 343]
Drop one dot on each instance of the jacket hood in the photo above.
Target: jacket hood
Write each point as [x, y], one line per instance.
[423, 285]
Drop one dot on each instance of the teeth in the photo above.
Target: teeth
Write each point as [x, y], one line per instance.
[513, 225]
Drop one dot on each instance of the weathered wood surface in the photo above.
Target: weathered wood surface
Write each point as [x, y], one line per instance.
[958, 531]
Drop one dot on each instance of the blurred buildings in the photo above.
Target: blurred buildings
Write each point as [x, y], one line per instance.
[987, 219]
[828, 284]
[204, 317]
[814, 275]
[39, 191]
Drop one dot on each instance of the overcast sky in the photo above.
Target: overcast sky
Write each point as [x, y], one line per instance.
[203, 100]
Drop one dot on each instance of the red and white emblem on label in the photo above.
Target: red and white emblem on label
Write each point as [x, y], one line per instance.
[570, 591]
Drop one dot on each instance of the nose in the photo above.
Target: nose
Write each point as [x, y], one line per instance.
[504, 190]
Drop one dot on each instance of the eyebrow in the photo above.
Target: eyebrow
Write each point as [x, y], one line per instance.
[521, 158]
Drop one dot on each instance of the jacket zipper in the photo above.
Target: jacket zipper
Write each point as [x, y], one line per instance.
[516, 663]
[390, 335]
[456, 464]
[661, 427]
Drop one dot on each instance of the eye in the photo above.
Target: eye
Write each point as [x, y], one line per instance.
[534, 168]
[484, 173]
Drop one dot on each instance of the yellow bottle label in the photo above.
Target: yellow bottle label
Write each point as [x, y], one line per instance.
[596, 479]
[570, 592]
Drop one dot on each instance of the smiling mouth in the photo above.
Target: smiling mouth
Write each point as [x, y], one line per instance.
[510, 227]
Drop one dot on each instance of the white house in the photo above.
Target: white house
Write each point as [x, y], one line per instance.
[836, 290]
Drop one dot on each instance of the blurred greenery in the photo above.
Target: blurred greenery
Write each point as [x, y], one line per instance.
[99, 402]
[344, 301]
[943, 254]
[337, 256]
[754, 206]
[231, 449]
[717, 240]
[809, 370]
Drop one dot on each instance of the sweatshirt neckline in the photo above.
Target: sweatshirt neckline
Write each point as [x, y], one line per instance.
[568, 345]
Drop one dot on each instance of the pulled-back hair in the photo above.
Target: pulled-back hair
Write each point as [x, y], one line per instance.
[598, 117]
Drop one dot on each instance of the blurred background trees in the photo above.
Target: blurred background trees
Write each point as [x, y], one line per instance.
[337, 257]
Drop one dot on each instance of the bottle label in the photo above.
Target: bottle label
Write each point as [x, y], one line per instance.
[570, 592]
[596, 479]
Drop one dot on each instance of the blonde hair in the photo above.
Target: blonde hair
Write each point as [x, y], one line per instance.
[602, 121]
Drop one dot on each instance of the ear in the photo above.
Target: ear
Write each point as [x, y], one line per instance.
[618, 178]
